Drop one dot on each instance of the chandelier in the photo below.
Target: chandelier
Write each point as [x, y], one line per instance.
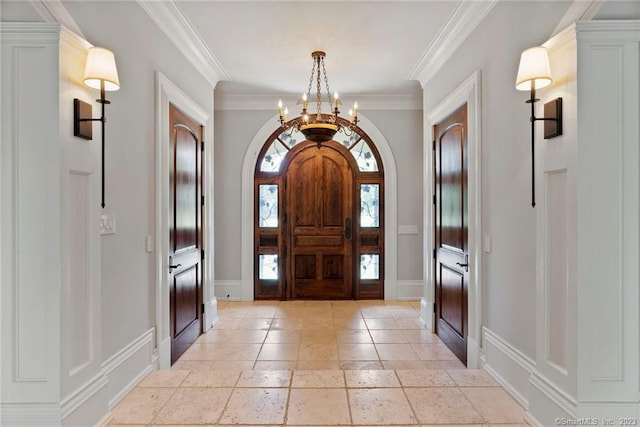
[318, 127]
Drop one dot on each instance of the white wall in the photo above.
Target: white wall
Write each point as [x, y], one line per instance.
[509, 271]
[235, 129]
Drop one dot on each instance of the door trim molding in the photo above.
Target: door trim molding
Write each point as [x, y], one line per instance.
[167, 92]
[468, 92]
[390, 207]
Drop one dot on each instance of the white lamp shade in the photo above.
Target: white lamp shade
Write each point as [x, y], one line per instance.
[101, 66]
[534, 67]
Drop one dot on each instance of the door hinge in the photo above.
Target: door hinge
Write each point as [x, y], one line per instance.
[202, 200]
[434, 199]
[202, 145]
[434, 254]
[434, 307]
[434, 145]
[202, 254]
[202, 308]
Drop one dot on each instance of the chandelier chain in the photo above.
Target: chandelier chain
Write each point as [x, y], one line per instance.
[313, 72]
[319, 89]
[326, 81]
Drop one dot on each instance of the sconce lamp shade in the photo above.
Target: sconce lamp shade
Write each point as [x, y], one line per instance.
[101, 66]
[534, 67]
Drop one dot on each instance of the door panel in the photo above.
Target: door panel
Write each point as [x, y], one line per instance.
[319, 184]
[185, 234]
[451, 231]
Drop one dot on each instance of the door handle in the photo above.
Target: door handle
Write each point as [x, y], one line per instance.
[172, 266]
[466, 263]
[347, 228]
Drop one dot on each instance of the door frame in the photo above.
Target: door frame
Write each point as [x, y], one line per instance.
[390, 207]
[468, 92]
[167, 92]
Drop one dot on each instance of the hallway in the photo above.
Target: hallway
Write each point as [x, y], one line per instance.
[318, 363]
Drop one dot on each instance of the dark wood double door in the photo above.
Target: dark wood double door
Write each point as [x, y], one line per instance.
[319, 224]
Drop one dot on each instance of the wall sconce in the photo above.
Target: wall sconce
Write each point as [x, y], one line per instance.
[534, 73]
[99, 73]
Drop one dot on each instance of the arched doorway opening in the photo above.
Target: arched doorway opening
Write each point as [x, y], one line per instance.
[319, 218]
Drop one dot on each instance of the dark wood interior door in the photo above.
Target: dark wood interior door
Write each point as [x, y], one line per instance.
[451, 231]
[319, 213]
[185, 237]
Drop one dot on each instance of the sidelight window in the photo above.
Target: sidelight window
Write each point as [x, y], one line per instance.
[268, 206]
[369, 205]
[369, 266]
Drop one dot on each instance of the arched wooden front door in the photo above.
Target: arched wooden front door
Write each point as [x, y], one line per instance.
[319, 220]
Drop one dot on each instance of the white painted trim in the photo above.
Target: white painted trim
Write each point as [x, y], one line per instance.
[555, 395]
[80, 396]
[509, 366]
[172, 22]
[464, 19]
[468, 92]
[409, 290]
[167, 92]
[390, 206]
[30, 414]
[407, 229]
[232, 288]
[426, 313]
[54, 11]
[580, 10]
[366, 102]
[112, 363]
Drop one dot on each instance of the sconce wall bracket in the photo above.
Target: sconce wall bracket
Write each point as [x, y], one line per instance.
[82, 128]
[553, 118]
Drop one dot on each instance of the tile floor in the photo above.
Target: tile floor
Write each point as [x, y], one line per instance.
[315, 363]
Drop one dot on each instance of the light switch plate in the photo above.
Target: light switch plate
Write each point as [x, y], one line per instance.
[486, 244]
[149, 243]
[107, 224]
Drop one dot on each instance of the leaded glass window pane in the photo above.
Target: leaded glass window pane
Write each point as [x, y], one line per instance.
[370, 205]
[268, 267]
[346, 140]
[369, 267]
[291, 137]
[268, 205]
[364, 157]
[273, 157]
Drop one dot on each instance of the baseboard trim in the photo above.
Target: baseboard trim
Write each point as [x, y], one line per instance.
[120, 357]
[228, 290]
[410, 290]
[548, 400]
[30, 414]
[426, 313]
[509, 366]
[83, 394]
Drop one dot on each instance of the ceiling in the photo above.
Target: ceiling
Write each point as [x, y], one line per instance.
[374, 48]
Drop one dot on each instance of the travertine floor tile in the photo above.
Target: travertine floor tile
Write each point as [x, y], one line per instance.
[384, 323]
[384, 406]
[354, 365]
[264, 365]
[279, 352]
[434, 352]
[442, 406]
[384, 336]
[193, 406]
[212, 378]
[371, 379]
[357, 352]
[264, 379]
[318, 351]
[425, 378]
[472, 378]
[141, 405]
[283, 336]
[494, 404]
[171, 378]
[353, 336]
[318, 364]
[396, 352]
[420, 336]
[256, 406]
[318, 406]
[318, 378]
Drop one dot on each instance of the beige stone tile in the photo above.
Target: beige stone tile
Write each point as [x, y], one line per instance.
[383, 406]
[442, 406]
[141, 405]
[403, 364]
[425, 378]
[353, 336]
[346, 312]
[241, 336]
[375, 313]
[318, 379]
[228, 351]
[231, 365]
[371, 378]
[211, 378]
[396, 352]
[255, 324]
[194, 406]
[191, 365]
[318, 323]
[286, 324]
[385, 336]
[377, 323]
[283, 337]
[172, 378]
[399, 312]
[318, 364]
[279, 352]
[409, 323]
[354, 365]
[265, 365]
[444, 364]
[494, 404]
[279, 378]
[349, 323]
[256, 406]
[357, 352]
[420, 336]
[228, 322]
[318, 351]
[311, 336]
[434, 352]
[326, 406]
[472, 378]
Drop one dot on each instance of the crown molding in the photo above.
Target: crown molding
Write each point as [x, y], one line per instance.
[579, 10]
[171, 20]
[269, 102]
[54, 11]
[461, 23]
